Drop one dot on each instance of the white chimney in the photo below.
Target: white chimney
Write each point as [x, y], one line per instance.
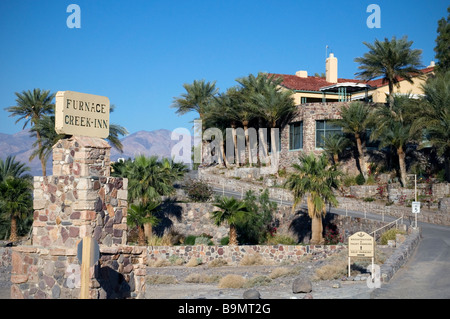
[301, 74]
[331, 69]
[432, 64]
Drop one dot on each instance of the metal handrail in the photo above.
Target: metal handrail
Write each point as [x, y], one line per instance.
[387, 225]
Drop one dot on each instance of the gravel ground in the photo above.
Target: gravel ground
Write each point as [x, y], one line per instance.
[170, 282]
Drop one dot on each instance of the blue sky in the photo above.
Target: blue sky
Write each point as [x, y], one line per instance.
[139, 53]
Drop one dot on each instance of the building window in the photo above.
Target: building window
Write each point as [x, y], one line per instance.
[296, 136]
[325, 129]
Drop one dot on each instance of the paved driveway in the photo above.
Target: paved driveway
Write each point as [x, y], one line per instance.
[426, 275]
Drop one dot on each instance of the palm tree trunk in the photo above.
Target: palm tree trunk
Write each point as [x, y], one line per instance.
[316, 231]
[224, 156]
[316, 223]
[13, 236]
[402, 164]
[233, 236]
[236, 153]
[41, 156]
[141, 236]
[335, 158]
[148, 231]
[391, 95]
[362, 161]
[247, 142]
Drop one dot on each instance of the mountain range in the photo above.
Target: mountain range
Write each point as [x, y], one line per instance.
[157, 142]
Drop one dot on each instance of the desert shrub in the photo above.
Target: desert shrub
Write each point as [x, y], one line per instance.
[176, 260]
[218, 262]
[201, 240]
[257, 281]
[279, 272]
[198, 191]
[194, 262]
[202, 278]
[360, 180]
[348, 180]
[252, 260]
[159, 263]
[161, 280]
[336, 268]
[281, 240]
[390, 235]
[368, 199]
[232, 281]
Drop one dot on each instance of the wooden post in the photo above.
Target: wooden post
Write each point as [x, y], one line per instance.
[85, 267]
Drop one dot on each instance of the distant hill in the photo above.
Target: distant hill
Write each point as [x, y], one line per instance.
[149, 143]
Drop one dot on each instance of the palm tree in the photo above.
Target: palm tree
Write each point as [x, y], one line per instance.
[354, 121]
[31, 107]
[274, 104]
[43, 147]
[393, 129]
[116, 130]
[314, 178]
[149, 179]
[390, 59]
[15, 202]
[334, 145]
[433, 116]
[11, 168]
[233, 211]
[143, 214]
[197, 98]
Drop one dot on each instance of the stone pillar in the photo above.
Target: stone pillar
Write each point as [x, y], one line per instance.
[80, 199]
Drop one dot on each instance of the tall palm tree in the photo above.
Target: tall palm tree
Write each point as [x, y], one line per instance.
[354, 121]
[390, 59]
[15, 202]
[197, 97]
[393, 129]
[31, 107]
[11, 168]
[143, 214]
[433, 116]
[314, 178]
[233, 211]
[274, 104]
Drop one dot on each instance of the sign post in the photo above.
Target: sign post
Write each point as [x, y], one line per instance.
[361, 245]
[415, 207]
[88, 254]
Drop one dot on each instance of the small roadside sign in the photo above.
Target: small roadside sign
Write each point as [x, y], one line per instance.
[415, 207]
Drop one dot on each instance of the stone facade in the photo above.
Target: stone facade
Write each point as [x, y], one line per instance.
[234, 254]
[80, 200]
[83, 201]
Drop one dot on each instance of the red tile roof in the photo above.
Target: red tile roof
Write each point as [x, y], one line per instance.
[313, 83]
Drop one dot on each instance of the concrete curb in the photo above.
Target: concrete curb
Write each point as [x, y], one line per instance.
[400, 256]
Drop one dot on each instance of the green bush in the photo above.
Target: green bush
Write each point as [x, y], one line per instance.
[348, 181]
[360, 180]
[369, 199]
[190, 240]
[281, 240]
[390, 235]
[225, 241]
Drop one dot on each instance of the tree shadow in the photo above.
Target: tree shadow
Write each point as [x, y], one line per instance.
[114, 283]
[301, 225]
[169, 209]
